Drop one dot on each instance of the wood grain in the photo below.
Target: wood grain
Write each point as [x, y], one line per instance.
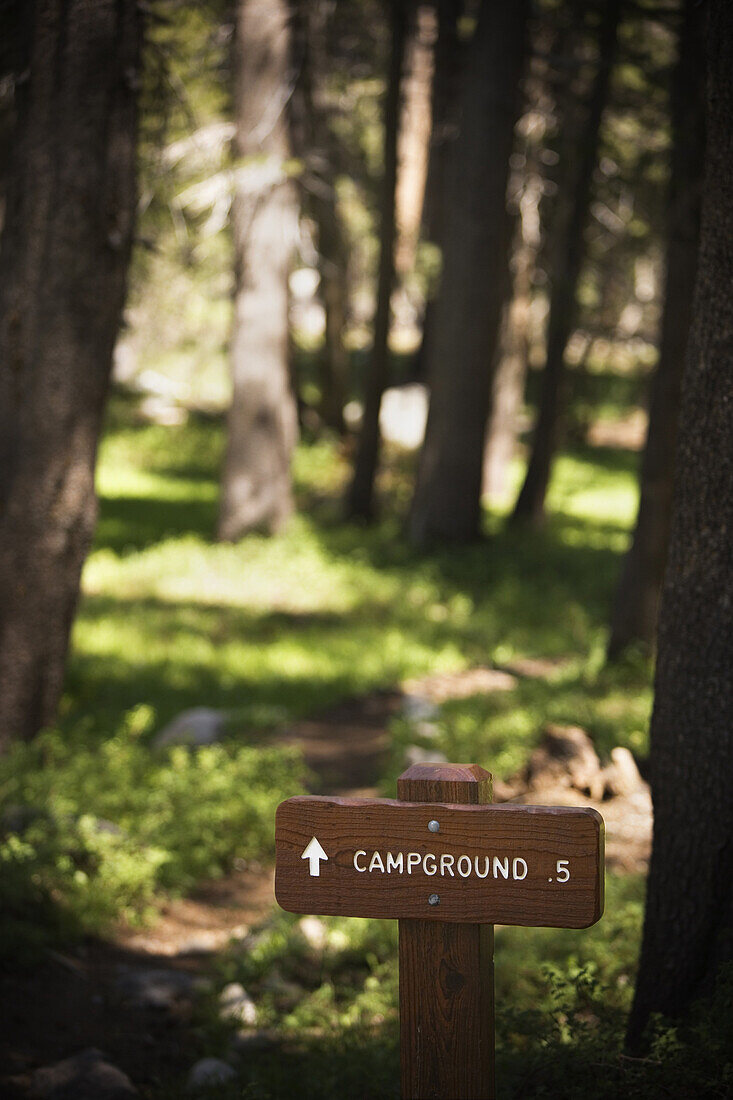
[446, 975]
[549, 844]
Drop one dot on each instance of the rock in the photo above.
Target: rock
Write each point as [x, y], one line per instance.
[415, 754]
[462, 684]
[506, 790]
[237, 1005]
[101, 825]
[247, 1042]
[161, 410]
[566, 758]
[208, 1072]
[622, 775]
[85, 1076]
[16, 819]
[277, 983]
[197, 727]
[158, 988]
[314, 932]
[208, 940]
[418, 708]
[428, 731]
[421, 713]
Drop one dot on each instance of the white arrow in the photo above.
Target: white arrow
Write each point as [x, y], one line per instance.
[315, 853]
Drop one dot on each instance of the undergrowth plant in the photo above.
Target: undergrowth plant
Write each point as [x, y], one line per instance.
[93, 830]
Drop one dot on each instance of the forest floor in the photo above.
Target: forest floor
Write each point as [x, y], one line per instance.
[89, 996]
[75, 1000]
[340, 648]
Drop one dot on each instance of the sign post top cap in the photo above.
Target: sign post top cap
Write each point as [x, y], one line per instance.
[445, 783]
[465, 773]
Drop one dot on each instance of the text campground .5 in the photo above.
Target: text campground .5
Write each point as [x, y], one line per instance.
[445, 865]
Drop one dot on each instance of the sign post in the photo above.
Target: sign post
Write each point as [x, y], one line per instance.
[448, 865]
[446, 970]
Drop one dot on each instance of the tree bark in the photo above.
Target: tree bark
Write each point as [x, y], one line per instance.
[360, 497]
[65, 251]
[688, 929]
[444, 111]
[15, 45]
[571, 217]
[315, 146]
[256, 492]
[509, 378]
[634, 616]
[526, 185]
[446, 504]
[334, 270]
[413, 145]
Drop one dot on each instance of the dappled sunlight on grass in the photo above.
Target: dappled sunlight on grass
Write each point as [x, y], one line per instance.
[271, 630]
[180, 655]
[172, 619]
[499, 729]
[596, 485]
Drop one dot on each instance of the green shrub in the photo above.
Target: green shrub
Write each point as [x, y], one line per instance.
[94, 829]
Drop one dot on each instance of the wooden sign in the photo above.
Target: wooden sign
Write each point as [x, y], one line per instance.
[524, 865]
[448, 865]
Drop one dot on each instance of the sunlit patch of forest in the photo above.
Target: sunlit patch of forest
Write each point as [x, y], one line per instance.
[380, 472]
[272, 631]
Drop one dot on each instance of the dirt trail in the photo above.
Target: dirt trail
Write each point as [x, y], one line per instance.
[72, 1000]
[345, 747]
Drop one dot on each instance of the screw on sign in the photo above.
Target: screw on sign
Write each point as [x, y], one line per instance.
[448, 865]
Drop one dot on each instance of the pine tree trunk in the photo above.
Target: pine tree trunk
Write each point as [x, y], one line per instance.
[571, 217]
[509, 379]
[334, 270]
[360, 498]
[446, 505]
[316, 148]
[688, 930]
[444, 110]
[634, 617]
[14, 58]
[65, 251]
[413, 144]
[262, 423]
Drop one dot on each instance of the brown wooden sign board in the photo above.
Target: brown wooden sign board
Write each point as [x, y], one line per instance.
[469, 864]
[448, 865]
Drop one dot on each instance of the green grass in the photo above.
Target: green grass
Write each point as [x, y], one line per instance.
[273, 629]
[561, 1002]
[270, 630]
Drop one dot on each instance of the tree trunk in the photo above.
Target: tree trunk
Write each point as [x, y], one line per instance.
[445, 114]
[511, 372]
[634, 617]
[65, 251]
[316, 147]
[15, 44]
[570, 222]
[446, 505]
[688, 930]
[413, 143]
[526, 185]
[360, 499]
[444, 110]
[334, 270]
[262, 421]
